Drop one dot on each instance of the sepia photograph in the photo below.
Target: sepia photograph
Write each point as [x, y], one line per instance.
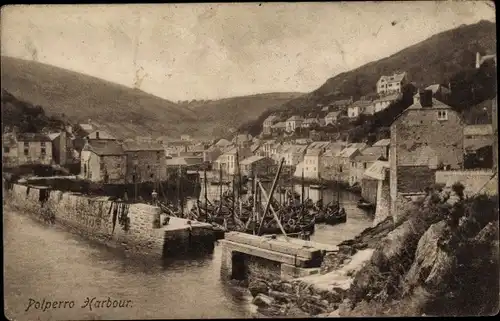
[249, 160]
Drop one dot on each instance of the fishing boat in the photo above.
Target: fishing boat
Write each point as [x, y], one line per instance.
[337, 217]
[217, 183]
[318, 186]
[365, 205]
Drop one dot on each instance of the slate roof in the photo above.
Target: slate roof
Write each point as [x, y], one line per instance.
[436, 87]
[251, 159]
[366, 158]
[382, 143]
[436, 104]
[342, 102]
[377, 170]
[143, 146]
[294, 118]
[280, 124]
[394, 78]
[332, 114]
[32, 137]
[223, 142]
[478, 143]
[374, 150]
[391, 97]
[361, 103]
[478, 130]
[105, 148]
[347, 152]
[183, 161]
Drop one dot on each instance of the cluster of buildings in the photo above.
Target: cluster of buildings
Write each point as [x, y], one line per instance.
[389, 90]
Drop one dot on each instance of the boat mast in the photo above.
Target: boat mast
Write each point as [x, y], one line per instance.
[268, 204]
[302, 188]
[205, 186]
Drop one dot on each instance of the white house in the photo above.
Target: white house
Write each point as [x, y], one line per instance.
[332, 117]
[357, 108]
[391, 84]
[293, 122]
[384, 102]
[312, 164]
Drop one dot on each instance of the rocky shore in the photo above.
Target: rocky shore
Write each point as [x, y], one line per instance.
[320, 294]
[440, 249]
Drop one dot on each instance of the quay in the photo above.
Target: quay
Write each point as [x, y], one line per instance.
[136, 228]
[245, 256]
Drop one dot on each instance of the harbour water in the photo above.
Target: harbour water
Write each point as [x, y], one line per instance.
[47, 262]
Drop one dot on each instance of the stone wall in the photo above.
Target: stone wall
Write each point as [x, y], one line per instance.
[134, 228]
[382, 209]
[474, 181]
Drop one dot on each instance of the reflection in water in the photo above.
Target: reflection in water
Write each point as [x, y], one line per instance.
[49, 262]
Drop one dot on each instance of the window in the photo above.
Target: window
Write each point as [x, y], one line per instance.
[340, 169]
[442, 115]
[158, 155]
[353, 164]
[26, 144]
[42, 144]
[6, 149]
[26, 151]
[101, 165]
[364, 165]
[43, 151]
[85, 169]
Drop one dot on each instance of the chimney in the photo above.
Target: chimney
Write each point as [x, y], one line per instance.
[97, 135]
[478, 60]
[426, 98]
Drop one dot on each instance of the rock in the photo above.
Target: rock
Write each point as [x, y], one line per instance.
[431, 264]
[313, 309]
[262, 300]
[280, 296]
[256, 287]
[287, 288]
[295, 312]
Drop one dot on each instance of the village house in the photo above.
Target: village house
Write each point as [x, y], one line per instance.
[332, 118]
[391, 84]
[186, 138]
[223, 143]
[293, 154]
[211, 154]
[342, 162]
[309, 122]
[312, 164]
[99, 135]
[33, 148]
[278, 128]
[328, 160]
[384, 102]
[63, 148]
[145, 162]
[257, 165]
[359, 165]
[477, 137]
[242, 140]
[384, 144]
[440, 92]
[427, 136]
[357, 108]
[268, 123]
[341, 104]
[228, 162]
[375, 189]
[173, 165]
[9, 154]
[103, 161]
[293, 123]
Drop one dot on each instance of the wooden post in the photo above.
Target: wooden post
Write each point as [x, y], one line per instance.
[220, 188]
[302, 188]
[268, 204]
[205, 186]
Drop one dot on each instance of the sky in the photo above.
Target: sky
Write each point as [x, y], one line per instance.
[210, 51]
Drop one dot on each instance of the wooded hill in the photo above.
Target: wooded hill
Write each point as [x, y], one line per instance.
[124, 111]
[447, 57]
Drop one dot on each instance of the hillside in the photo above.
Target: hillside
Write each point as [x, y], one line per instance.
[435, 60]
[125, 111]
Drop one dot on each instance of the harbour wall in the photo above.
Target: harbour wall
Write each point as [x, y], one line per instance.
[135, 228]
